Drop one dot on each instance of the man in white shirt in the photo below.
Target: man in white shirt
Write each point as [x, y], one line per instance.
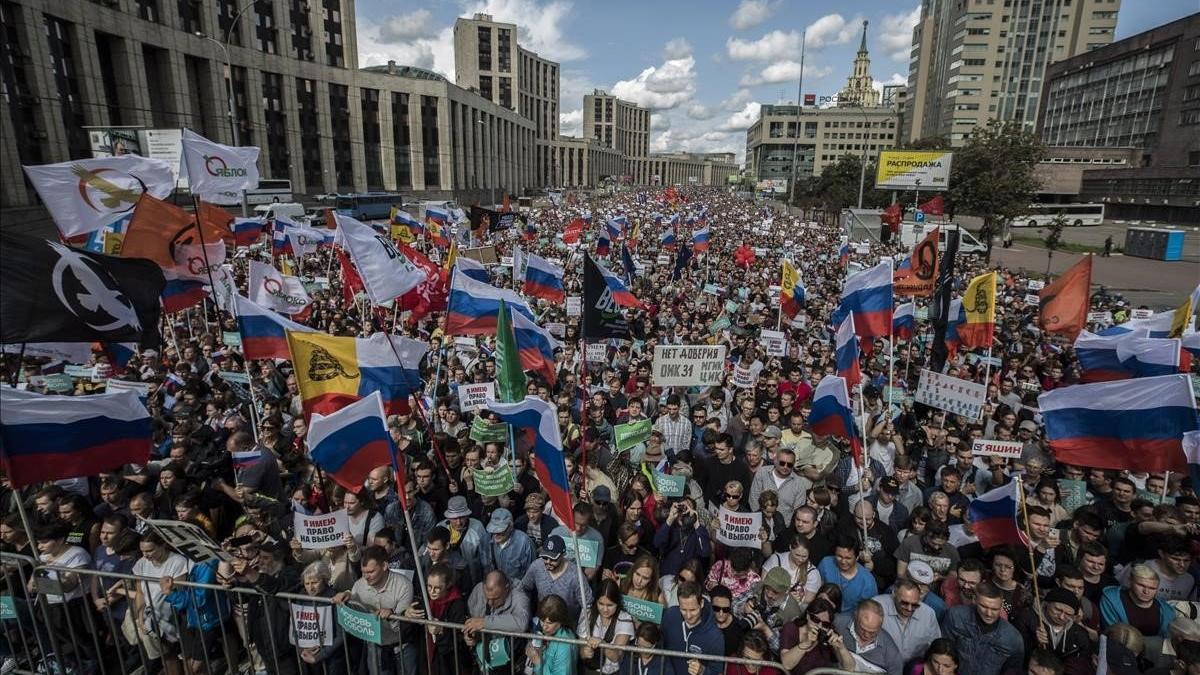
[912, 624]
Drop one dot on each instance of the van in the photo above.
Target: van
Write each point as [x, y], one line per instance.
[913, 233]
[291, 210]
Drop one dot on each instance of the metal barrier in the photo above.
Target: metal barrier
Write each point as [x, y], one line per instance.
[92, 628]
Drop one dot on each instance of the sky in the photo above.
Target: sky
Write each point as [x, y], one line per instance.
[703, 68]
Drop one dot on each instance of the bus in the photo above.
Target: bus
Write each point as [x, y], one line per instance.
[270, 192]
[1077, 215]
[368, 205]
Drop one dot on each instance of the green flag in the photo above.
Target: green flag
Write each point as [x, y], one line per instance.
[629, 435]
[510, 378]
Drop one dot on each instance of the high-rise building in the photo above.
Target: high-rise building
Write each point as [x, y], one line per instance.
[860, 87]
[976, 60]
[616, 123]
[488, 59]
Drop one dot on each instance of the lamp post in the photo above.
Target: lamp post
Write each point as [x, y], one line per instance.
[799, 121]
[233, 129]
[862, 169]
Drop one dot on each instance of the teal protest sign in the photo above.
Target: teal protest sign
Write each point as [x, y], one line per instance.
[589, 552]
[231, 338]
[361, 625]
[8, 610]
[668, 485]
[643, 610]
[1072, 494]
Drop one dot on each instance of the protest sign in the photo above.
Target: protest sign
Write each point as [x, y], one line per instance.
[316, 533]
[642, 610]
[669, 485]
[589, 552]
[663, 259]
[59, 382]
[312, 626]
[1099, 317]
[78, 372]
[8, 609]
[475, 396]
[722, 323]
[189, 540]
[142, 388]
[1155, 497]
[1141, 314]
[775, 341]
[1005, 449]
[231, 338]
[731, 306]
[1032, 299]
[626, 436]
[235, 378]
[597, 352]
[1072, 494]
[575, 306]
[1036, 284]
[743, 378]
[862, 249]
[951, 394]
[493, 482]
[738, 529]
[361, 625]
[483, 431]
[712, 289]
[557, 329]
[688, 365]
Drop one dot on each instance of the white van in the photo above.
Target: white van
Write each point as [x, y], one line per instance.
[912, 233]
[290, 210]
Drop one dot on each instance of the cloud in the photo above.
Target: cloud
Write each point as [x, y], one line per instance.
[897, 32]
[677, 49]
[784, 71]
[571, 123]
[539, 25]
[572, 87]
[773, 46]
[741, 120]
[434, 53]
[659, 122]
[665, 86]
[698, 111]
[750, 13]
[832, 29]
[405, 27]
[737, 100]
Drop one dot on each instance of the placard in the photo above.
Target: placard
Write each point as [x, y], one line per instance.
[1033, 299]
[951, 394]
[738, 529]
[1099, 317]
[862, 249]
[493, 482]
[483, 431]
[364, 626]
[743, 378]
[231, 338]
[1141, 314]
[574, 306]
[663, 259]
[190, 540]
[1072, 494]
[142, 388]
[476, 395]
[669, 485]
[234, 378]
[642, 610]
[626, 436]
[8, 609]
[312, 626]
[1005, 449]
[597, 352]
[589, 552]
[713, 289]
[317, 533]
[1035, 284]
[688, 365]
[775, 341]
[557, 329]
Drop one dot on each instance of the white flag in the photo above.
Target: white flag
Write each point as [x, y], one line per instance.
[219, 173]
[274, 290]
[195, 262]
[385, 272]
[85, 195]
[226, 289]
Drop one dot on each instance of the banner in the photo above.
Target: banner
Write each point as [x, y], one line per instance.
[628, 435]
[912, 169]
[190, 540]
[84, 195]
[475, 396]
[1005, 449]
[738, 529]
[775, 342]
[312, 626]
[494, 482]
[687, 366]
[277, 292]
[483, 431]
[951, 394]
[316, 533]
[360, 625]
[642, 610]
[218, 173]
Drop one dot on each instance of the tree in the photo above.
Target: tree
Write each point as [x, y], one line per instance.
[993, 175]
[837, 186]
[1054, 238]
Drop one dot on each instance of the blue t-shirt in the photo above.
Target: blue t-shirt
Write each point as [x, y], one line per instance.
[854, 590]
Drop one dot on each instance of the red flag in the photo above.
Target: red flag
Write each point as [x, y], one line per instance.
[430, 295]
[352, 284]
[934, 207]
[574, 231]
[507, 205]
[1065, 301]
[892, 215]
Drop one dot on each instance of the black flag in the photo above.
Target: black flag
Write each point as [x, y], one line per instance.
[602, 316]
[682, 260]
[50, 292]
[939, 309]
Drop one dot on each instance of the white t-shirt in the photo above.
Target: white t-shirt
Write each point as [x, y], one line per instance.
[174, 566]
[600, 630]
[811, 582]
[72, 557]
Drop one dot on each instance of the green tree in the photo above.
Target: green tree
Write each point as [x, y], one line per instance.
[837, 186]
[993, 175]
[1053, 239]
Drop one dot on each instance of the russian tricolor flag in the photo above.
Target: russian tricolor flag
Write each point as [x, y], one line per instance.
[264, 333]
[350, 443]
[613, 228]
[844, 253]
[179, 294]
[535, 346]
[1157, 326]
[1098, 358]
[620, 292]
[904, 321]
[472, 268]
[401, 217]
[45, 438]
[1133, 424]
[1150, 357]
[666, 240]
[543, 279]
[603, 244]
[1191, 344]
[832, 415]
[548, 460]
[246, 231]
[993, 516]
[281, 244]
[700, 240]
[868, 296]
[474, 306]
[846, 351]
[958, 316]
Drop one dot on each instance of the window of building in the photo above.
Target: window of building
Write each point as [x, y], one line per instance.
[1189, 117]
[226, 10]
[504, 50]
[506, 92]
[148, 10]
[431, 141]
[310, 129]
[241, 103]
[401, 140]
[301, 31]
[484, 33]
[485, 86]
[339, 117]
[61, 40]
[189, 16]
[335, 51]
[1194, 68]
[372, 139]
[265, 32]
[275, 116]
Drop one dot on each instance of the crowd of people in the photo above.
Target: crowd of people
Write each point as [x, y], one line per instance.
[870, 568]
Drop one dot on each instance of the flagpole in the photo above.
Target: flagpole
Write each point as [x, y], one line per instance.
[583, 415]
[891, 369]
[1037, 602]
[579, 569]
[203, 248]
[863, 464]
[987, 377]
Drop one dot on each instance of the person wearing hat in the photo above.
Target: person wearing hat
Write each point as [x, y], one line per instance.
[553, 574]
[912, 624]
[932, 546]
[1056, 631]
[768, 606]
[467, 535]
[886, 501]
[534, 521]
[510, 550]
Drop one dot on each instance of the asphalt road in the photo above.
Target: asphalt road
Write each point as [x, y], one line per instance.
[1095, 235]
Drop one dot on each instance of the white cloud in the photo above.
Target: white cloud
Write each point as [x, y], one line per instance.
[405, 27]
[434, 53]
[770, 47]
[741, 120]
[677, 49]
[737, 100]
[832, 29]
[665, 86]
[572, 87]
[539, 25]
[571, 123]
[699, 111]
[659, 122]
[750, 13]
[784, 71]
[897, 32]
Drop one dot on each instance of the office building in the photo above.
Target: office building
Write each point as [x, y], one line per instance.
[489, 60]
[1140, 94]
[827, 135]
[585, 162]
[976, 60]
[617, 124]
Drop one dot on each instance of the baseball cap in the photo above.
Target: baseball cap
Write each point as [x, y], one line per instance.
[502, 519]
[554, 548]
[772, 432]
[1028, 425]
[889, 485]
[920, 572]
[778, 580]
[1063, 596]
[602, 495]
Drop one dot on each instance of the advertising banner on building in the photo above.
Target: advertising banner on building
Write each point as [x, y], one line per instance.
[913, 169]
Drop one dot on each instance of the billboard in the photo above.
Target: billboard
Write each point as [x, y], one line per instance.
[774, 185]
[909, 169]
[164, 144]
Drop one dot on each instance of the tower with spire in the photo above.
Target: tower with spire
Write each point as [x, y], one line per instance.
[860, 88]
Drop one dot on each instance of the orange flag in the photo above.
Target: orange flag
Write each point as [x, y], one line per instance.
[218, 223]
[1065, 301]
[157, 227]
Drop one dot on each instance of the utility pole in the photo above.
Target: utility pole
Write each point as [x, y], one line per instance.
[799, 121]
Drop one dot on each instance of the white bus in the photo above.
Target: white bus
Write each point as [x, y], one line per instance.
[1077, 215]
[270, 192]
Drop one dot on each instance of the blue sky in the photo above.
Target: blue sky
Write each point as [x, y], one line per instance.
[703, 67]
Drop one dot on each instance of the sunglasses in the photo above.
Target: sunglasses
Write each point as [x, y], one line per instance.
[732, 496]
[780, 462]
[721, 610]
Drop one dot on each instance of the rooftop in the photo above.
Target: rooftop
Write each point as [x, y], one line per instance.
[412, 72]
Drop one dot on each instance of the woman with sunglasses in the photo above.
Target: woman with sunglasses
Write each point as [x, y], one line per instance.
[812, 642]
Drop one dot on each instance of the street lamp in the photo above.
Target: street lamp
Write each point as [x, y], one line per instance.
[495, 167]
[799, 121]
[862, 169]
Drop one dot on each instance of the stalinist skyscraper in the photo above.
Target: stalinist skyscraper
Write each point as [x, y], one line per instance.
[860, 88]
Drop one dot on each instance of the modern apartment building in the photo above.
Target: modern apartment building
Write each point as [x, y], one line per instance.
[976, 60]
[616, 124]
